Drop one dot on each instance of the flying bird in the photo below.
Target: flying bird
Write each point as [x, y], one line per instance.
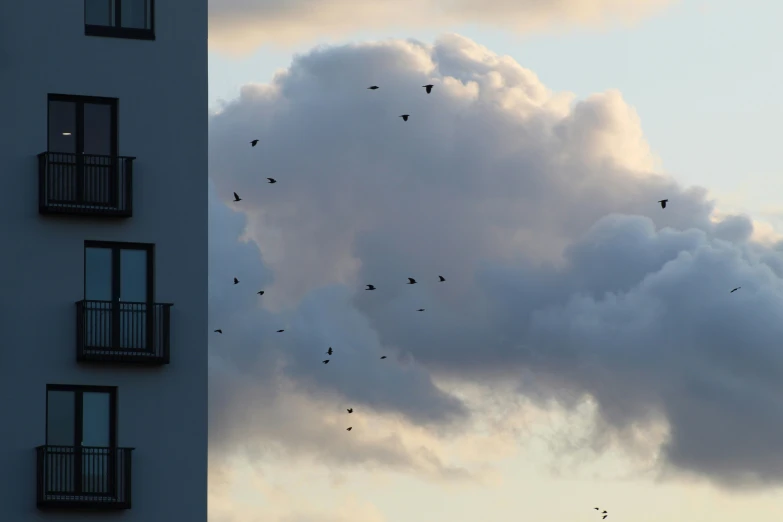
[350, 410]
[420, 310]
[597, 509]
[349, 429]
[236, 197]
[236, 281]
[260, 292]
[604, 516]
[370, 287]
[735, 289]
[383, 356]
[405, 117]
[219, 331]
[329, 351]
[325, 361]
[411, 281]
[272, 180]
[373, 87]
[663, 203]
[441, 278]
[254, 143]
[428, 87]
[280, 331]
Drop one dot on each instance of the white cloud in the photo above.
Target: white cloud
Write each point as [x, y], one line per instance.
[564, 276]
[242, 24]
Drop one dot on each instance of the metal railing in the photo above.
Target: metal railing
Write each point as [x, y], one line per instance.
[85, 184]
[83, 477]
[123, 331]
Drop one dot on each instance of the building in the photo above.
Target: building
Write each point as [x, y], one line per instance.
[103, 260]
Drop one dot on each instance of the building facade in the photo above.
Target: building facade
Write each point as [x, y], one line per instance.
[103, 260]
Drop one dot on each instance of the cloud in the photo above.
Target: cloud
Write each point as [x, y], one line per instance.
[564, 276]
[242, 24]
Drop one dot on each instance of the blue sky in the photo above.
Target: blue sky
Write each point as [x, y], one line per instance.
[704, 80]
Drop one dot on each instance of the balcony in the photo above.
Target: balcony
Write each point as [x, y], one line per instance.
[85, 184]
[83, 477]
[123, 332]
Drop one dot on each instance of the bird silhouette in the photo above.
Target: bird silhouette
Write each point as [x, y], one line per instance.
[280, 331]
[272, 180]
[236, 197]
[326, 361]
[373, 87]
[329, 351]
[370, 287]
[405, 117]
[260, 292]
[411, 281]
[735, 289]
[236, 281]
[350, 410]
[254, 143]
[349, 429]
[219, 331]
[597, 509]
[428, 87]
[663, 203]
[383, 356]
[441, 278]
[420, 310]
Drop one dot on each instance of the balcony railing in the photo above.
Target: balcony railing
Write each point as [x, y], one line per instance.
[85, 184]
[123, 332]
[83, 477]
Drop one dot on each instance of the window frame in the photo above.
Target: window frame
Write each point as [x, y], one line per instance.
[79, 390]
[80, 101]
[117, 30]
[116, 247]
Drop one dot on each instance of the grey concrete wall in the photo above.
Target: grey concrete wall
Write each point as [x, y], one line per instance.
[162, 87]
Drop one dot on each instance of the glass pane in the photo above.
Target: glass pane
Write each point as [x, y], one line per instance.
[97, 277]
[97, 129]
[62, 126]
[134, 14]
[99, 12]
[60, 418]
[133, 276]
[96, 419]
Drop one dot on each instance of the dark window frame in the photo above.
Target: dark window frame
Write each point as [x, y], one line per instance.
[117, 30]
[116, 247]
[113, 103]
[78, 461]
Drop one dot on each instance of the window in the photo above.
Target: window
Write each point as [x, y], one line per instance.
[81, 435]
[119, 295]
[120, 18]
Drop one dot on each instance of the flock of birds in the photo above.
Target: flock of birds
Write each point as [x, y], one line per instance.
[411, 281]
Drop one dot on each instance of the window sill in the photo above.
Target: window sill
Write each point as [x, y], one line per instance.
[119, 32]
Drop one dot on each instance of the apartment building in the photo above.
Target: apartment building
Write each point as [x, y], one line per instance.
[103, 260]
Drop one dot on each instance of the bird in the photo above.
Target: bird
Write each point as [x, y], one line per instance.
[604, 511]
[405, 117]
[236, 197]
[329, 351]
[735, 289]
[325, 361]
[604, 516]
[219, 331]
[373, 87]
[272, 180]
[597, 509]
[663, 203]
[349, 429]
[420, 310]
[428, 87]
[411, 281]
[260, 292]
[254, 143]
[441, 278]
[236, 281]
[280, 331]
[350, 410]
[370, 287]
[383, 356]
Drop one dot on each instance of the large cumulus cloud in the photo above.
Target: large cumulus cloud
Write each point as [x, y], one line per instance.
[563, 273]
[243, 24]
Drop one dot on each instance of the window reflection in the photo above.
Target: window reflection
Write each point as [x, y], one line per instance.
[135, 14]
[62, 126]
[60, 418]
[97, 277]
[99, 12]
[133, 276]
[97, 129]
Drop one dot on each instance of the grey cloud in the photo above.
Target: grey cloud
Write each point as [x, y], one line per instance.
[541, 212]
[242, 24]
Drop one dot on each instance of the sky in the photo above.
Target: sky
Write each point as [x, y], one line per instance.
[584, 344]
